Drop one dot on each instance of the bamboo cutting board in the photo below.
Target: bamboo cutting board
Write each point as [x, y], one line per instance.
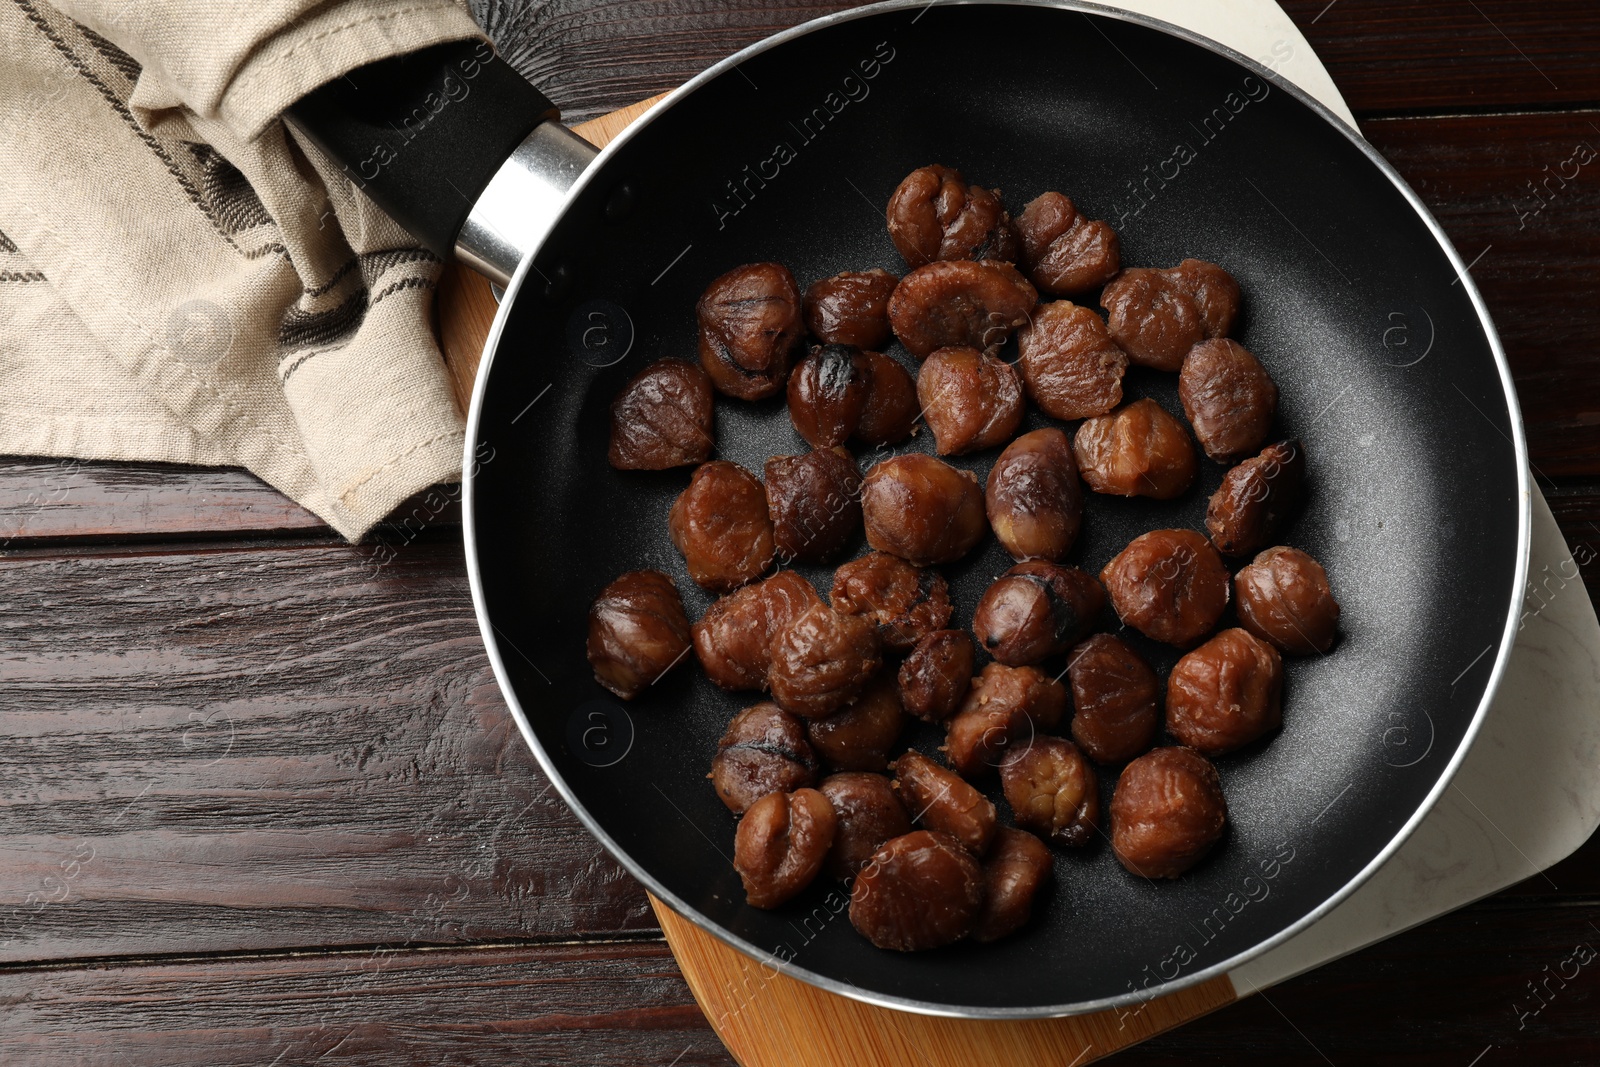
[768, 1019]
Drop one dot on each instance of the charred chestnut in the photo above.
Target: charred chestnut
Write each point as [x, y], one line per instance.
[749, 328]
[1167, 812]
[1226, 693]
[814, 501]
[957, 302]
[867, 812]
[1116, 699]
[781, 844]
[1065, 252]
[903, 601]
[662, 418]
[938, 799]
[637, 632]
[720, 525]
[934, 214]
[1170, 585]
[827, 393]
[822, 661]
[970, 401]
[1139, 450]
[1036, 610]
[935, 677]
[851, 308]
[920, 890]
[1052, 790]
[1069, 363]
[763, 751]
[1229, 397]
[1284, 598]
[922, 509]
[1249, 507]
[1017, 866]
[734, 637]
[1032, 497]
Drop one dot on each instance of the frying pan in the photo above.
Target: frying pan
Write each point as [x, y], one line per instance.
[1389, 367]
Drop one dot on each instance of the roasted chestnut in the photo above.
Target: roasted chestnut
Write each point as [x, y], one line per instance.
[720, 525]
[1226, 693]
[1229, 397]
[1064, 252]
[958, 302]
[1005, 707]
[935, 214]
[1036, 610]
[920, 890]
[763, 751]
[970, 401]
[1156, 316]
[637, 632]
[938, 799]
[851, 308]
[1167, 812]
[662, 418]
[935, 677]
[749, 328]
[867, 812]
[1070, 365]
[814, 501]
[891, 410]
[860, 736]
[734, 637]
[1283, 597]
[1170, 585]
[922, 509]
[1116, 699]
[1139, 450]
[1017, 866]
[827, 393]
[903, 601]
[1033, 499]
[1052, 790]
[822, 661]
[1249, 507]
[781, 844]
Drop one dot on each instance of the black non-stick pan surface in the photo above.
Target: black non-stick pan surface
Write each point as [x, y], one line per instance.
[1389, 371]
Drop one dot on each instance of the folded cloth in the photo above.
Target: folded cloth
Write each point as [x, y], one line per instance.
[183, 280]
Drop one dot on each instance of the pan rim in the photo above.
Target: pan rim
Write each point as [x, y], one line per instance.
[935, 1008]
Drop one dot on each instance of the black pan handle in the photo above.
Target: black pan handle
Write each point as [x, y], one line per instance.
[455, 145]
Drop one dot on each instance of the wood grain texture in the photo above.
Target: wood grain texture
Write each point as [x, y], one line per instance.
[768, 1019]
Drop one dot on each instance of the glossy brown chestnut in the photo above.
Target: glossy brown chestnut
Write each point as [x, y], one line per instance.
[1250, 506]
[904, 602]
[1138, 450]
[1226, 693]
[781, 844]
[1156, 316]
[1070, 365]
[1170, 585]
[935, 677]
[851, 308]
[891, 410]
[934, 214]
[919, 891]
[868, 812]
[1284, 598]
[922, 509]
[827, 393]
[970, 401]
[814, 501]
[822, 661]
[763, 751]
[1016, 868]
[1052, 790]
[749, 328]
[958, 302]
[734, 637]
[1167, 812]
[860, 736]
[662, 418]
[1005, 707]
[1229, 397]
[938, 799]
[1036, 610]
[1033, 498]
[1116, 699]
[1065, 252]
[720, 525]
[637, 632]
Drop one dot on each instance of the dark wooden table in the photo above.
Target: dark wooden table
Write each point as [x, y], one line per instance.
[261, 803]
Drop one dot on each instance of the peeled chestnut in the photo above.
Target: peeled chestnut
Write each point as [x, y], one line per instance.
[1036, 610]
[891, 410]
[827, 393]
[1167, 812]
[763, 751]
[1032, 497]
[720, 525]
[1116, 699]
[1229, 397]
[1170, 585]
[905, 602]
[970, 401]
[1052, 790]
[920, 890]
[867, 812]
[814, 502]
[637, 632]
[749, 328]
[1284, 598]
[734, 637]
[822, 661]
[1139, 450]
[1014, 871]
[1065, 252]
[1070, 365]
[1005, 707]
[1226, 693]
[922, 509]
[935, 677]
[1254, 499]
[781, 844]
[1156, 316]
[957, 302]
[934, 214]
[662, 418]
[851, 308]
[860, 736]
[938, 799]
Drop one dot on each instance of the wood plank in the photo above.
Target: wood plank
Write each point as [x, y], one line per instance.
[225, 749]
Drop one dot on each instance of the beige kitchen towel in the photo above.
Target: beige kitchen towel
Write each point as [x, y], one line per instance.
[183, 280]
